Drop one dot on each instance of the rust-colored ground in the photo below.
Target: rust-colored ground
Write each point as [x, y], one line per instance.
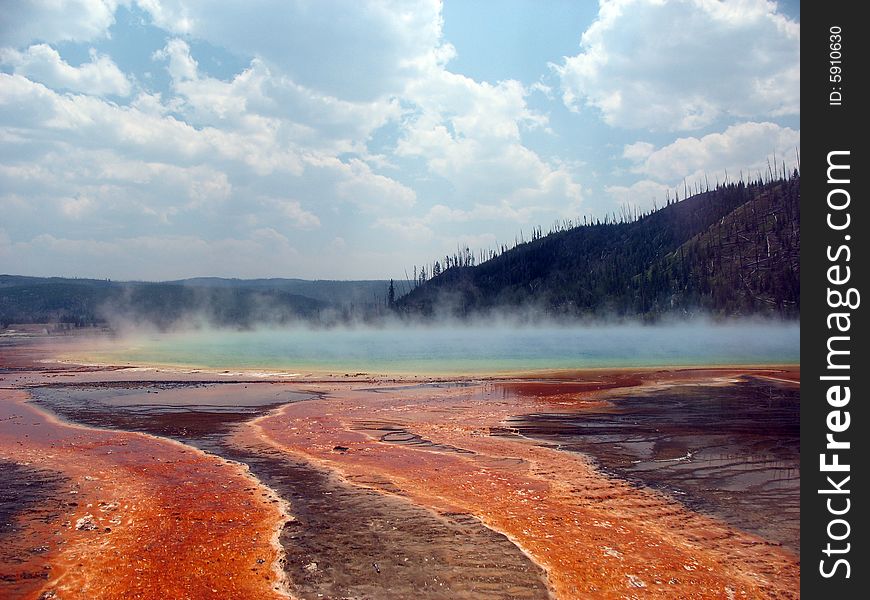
[121, 515]
[596, 536]
[131, 516]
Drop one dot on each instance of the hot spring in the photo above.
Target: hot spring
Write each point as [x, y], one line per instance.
[457, 349]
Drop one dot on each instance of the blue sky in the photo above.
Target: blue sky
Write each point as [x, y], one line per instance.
[159, 139]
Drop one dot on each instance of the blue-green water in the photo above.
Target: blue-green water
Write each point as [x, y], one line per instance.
[465, 350]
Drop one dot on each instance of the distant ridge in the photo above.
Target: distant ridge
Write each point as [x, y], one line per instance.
[213, 300]
[731, 251]
[328, 290]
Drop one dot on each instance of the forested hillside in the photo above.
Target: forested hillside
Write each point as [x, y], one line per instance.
[730, 251]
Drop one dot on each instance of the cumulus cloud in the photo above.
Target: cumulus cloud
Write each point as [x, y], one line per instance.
[182, 66]
[89, 122]
[370, 191]
[141, 167]
[746, 146]
[257, 95]
[293, 212]
[638, 151]
[358, 51]
[470, 133]
[683, 65]
[109, 193]
[440, 220]
[40, 62]
[25, 21]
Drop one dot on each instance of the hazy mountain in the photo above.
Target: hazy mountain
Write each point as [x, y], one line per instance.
[231, 302]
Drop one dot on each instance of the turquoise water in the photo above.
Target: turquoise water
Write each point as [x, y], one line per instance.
[464, 350]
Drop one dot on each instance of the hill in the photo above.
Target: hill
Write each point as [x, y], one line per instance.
[227, 302]
[336, 292]
[729, 251]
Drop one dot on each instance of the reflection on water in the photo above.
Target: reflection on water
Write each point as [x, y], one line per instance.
[466, 349]
[733, 451]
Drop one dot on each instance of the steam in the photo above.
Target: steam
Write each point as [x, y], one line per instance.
[197, 308]
[206, 327]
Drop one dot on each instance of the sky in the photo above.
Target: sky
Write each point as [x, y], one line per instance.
[336, 139]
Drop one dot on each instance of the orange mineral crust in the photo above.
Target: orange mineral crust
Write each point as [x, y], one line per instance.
[126, 515]
[596, 536]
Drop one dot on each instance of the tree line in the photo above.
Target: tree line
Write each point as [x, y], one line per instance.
[732, 250]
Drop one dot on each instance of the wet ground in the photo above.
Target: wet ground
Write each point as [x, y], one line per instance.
[597, 535]
[732, 451]
[98, 514]
[33, 492]
[368, 490]
[345, 541]
[180, 410]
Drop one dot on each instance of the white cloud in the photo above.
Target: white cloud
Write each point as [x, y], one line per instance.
[257, 96]
[444, 214]
[683, 65]
[89, 122]
[638, 151]
[358, 51]
[142, 160]
[470, 133]
[150, 104]
[292, 210]
[643, 194]
[40, 62]
[182, 66]
[439, 221]
[746, 146]
[371, 191]
[746, 149]
[26, 21]
[74, 208]
[409, 230]
[110, 192]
